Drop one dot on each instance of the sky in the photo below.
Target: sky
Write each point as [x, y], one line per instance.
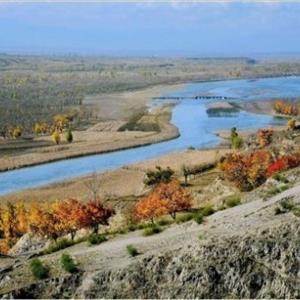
[149, 28]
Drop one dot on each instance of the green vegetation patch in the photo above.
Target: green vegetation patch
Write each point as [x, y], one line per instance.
[132, 251]
[60, 244]
[151, 230]
[232, 201]
[38, 270]
[68, 263]
[96, 239]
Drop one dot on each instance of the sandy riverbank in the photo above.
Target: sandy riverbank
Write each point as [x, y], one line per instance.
[122, 185]
[100, 138]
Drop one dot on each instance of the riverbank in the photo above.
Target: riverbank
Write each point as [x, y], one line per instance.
[120, 187]
[102, 137]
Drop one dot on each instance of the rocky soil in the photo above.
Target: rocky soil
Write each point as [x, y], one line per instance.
[243, 252]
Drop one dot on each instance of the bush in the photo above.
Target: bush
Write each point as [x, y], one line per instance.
[237, 142]
[164, 222]
[198, 218]
[132, 251]
[287, 203]
[69, 136]
[56, 137]
[151, 230]
[96, 239]
[158, 176]
[296, 211]
[232, 201]
[207, 211]
[184, 218]
[59, 245]
[278, 211]
[68, 263]
[38, 270]
[280, 177]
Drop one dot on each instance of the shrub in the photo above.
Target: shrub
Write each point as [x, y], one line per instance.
[151, 230]
[280, 177]
[38, 270]
[184, 218]
[264, 137]
[164, 222]
[68, 263]
[272, 191]
[132, 251]
[232, 201]
[296, 211]
[56, 137]
[69, 136]
[198, 218]
[96, 239]
[159, 175]
[287, 203]
[59, 245]
[237, 142]
[207, 211]
[278, 211]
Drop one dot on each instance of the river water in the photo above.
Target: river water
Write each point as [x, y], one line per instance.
[189, 116]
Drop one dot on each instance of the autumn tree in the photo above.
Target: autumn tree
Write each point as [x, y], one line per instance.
[285, 108]
[17, 132]
[9, 221]
[174, 197]
[291, 124]
[264, 137]
[166, 198]
[21, 219]
[72, 215]
[97, 214]
[56, 137]
[149, 208]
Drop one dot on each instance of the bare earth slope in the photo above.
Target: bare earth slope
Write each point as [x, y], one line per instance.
[245, 252]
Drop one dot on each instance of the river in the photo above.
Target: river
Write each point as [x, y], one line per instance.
[189, 116]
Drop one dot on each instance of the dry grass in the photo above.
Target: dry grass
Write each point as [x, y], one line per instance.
[90, 142]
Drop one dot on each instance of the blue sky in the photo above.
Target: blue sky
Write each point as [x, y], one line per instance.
[227, 28]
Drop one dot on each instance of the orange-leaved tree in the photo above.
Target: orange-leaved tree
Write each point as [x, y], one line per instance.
[174, 197]
[149, 207]
[165, 198]
[21, 219]
[96, 214]
[72, 215]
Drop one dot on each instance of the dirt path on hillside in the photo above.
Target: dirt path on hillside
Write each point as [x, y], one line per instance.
[239, 220]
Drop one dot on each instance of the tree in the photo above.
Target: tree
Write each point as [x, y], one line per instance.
[236, 140]
[93, 185]
[97, 214]
[17, 132]
[186, 172]
[159, 175]
[9, 221]
[291, 124]
[264, 137]
[56, 137]
[69, 136]
[174, 197]
[149, 207]
[166, 198]
[21, 219]
[72, 215]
